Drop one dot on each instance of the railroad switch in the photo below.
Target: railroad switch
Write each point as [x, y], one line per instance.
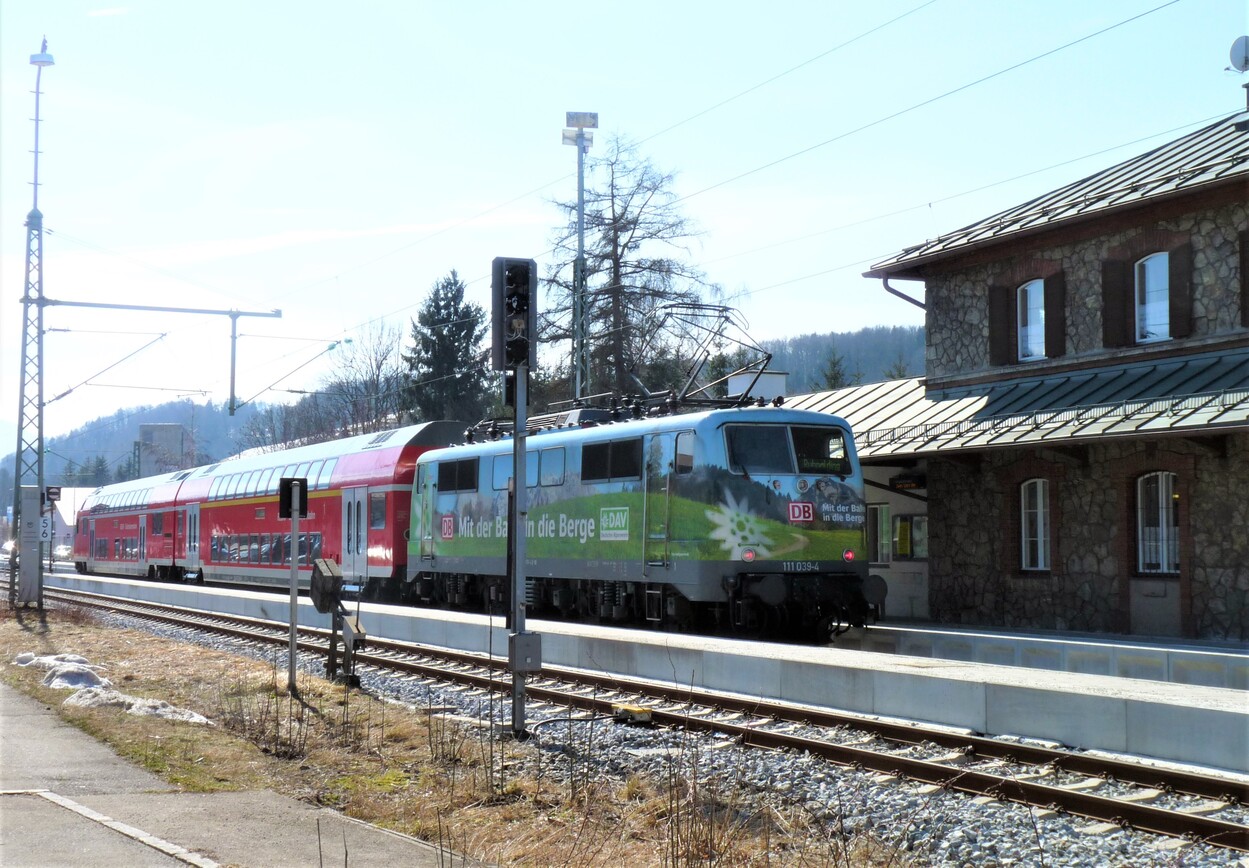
[638, 715]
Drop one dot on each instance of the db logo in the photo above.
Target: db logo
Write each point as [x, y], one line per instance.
[448, 526]
[800, 510]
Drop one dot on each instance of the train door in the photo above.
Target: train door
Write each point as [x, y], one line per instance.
[657, 501]
[355, 563]
[91, 541]
[143, 519]
[192, 561]
[425, 510]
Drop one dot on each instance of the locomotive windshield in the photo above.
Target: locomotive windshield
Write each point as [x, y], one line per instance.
[774, 449]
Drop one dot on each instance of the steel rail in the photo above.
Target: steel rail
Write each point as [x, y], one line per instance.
[1107, 809]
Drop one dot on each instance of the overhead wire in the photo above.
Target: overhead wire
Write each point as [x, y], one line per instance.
[922, 103]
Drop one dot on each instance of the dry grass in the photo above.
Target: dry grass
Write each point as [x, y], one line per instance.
[412, 770]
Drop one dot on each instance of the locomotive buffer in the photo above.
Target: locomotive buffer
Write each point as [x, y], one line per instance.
[326, 590]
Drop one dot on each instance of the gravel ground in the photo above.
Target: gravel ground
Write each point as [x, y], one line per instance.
[934, 827]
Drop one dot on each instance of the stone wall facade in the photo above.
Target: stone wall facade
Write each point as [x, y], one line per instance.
[958, 303]
[974, 570]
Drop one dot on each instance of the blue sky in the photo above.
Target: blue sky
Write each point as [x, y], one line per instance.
[335, 160]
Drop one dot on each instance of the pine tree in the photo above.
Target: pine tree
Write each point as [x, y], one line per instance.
[447, 365]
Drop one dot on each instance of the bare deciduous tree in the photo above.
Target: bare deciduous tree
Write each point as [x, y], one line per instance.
[636, 260]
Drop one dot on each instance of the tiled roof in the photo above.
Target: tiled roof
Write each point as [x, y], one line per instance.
[1212, 155]
[1193, 394]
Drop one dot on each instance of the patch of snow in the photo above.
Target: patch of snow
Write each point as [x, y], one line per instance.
[74, 676]
[26, 658]
[100, 697]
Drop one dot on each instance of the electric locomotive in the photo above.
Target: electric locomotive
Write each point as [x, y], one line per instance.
[749, 520]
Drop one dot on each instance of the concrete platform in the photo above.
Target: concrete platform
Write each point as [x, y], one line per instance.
[65, 799]
[1205, 664]
[1177, 722]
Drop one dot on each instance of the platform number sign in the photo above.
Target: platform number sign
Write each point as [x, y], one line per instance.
[801, 511]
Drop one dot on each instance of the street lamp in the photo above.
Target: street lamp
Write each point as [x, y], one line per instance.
[579, 138]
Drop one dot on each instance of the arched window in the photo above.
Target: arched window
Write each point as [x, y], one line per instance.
[1030, 310]
[1157, 523]
[1153, 299]
[1034, 525]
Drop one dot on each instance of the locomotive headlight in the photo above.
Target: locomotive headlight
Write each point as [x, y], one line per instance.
[847, 555]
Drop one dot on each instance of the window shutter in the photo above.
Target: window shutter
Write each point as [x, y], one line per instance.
[1056, 315]
[1180, 280]
[1117, 315]
[1244, 278]
[1002, 325]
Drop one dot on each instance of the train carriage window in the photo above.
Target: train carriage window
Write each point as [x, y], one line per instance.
[761, 449]
[377, 510]
[501, 472]
[275, 549]
[616, 459]
[685, 453]
[821, 450]
[314, 472]
[253, 479]
[457, 475]
[327, 471]
[316, 546]
[158, 524]
[262, 485]
[551, 466]
[301, 472]
[212, 489]
[236, 480]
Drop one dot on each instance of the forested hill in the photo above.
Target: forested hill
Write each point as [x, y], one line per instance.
[870, 355]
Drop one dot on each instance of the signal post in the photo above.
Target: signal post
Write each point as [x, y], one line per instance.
[514, 285]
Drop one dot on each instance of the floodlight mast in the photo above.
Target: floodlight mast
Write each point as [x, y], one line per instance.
[580, 121]
[28, 587]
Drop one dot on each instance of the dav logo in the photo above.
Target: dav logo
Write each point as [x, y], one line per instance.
[613, 523]
[800, 510]
[448, 527]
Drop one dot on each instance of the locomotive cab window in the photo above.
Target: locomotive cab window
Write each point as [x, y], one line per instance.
[684, 462]
[759, 449]
[821, 451]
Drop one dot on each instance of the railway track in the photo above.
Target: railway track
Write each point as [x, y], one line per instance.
[1107, 790]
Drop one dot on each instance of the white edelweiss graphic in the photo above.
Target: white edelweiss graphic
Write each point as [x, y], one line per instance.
[737, 528]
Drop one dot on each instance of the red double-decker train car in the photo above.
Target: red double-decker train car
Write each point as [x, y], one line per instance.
[220, 522]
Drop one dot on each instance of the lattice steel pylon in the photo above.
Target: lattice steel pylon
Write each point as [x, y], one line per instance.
[29, 456]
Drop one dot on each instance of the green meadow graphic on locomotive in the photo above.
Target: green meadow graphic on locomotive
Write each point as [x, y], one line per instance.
[583, 528]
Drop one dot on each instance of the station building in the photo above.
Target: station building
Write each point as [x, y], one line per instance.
[1076, 456]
